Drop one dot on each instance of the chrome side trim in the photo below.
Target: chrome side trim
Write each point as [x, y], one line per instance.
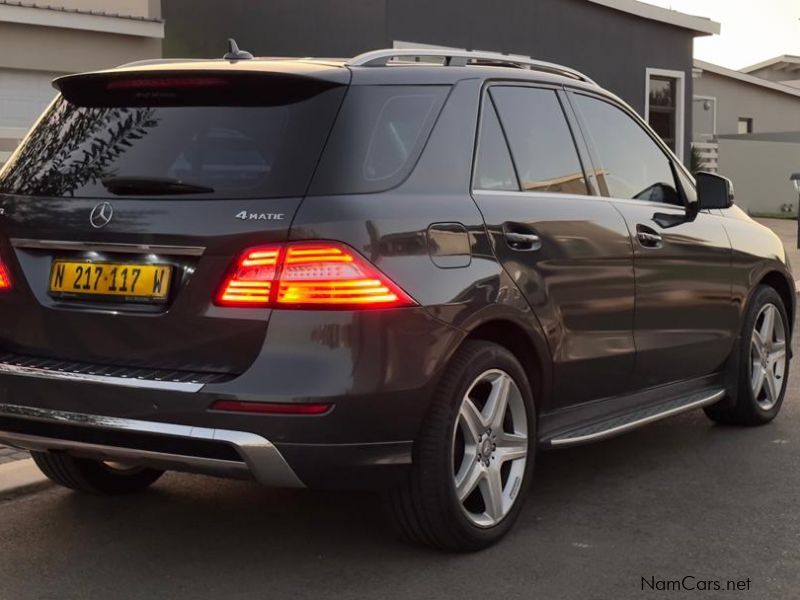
[107, 247]
[262, 459]
[150, 384]
[607, 433]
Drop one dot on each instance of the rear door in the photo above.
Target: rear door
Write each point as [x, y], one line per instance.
[568, 250]
[131, 199]
[685, 316]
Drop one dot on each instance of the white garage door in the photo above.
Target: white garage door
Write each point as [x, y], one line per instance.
[23, 96]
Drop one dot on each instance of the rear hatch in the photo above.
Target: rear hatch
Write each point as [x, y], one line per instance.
[133, 196]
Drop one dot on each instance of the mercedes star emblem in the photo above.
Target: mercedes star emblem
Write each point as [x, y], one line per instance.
[101, 215]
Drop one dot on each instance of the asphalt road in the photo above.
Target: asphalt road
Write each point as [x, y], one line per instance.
[680, 498]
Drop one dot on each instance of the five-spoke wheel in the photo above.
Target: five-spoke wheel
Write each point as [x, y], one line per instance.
[768, 357]
[490, 447]
[761, 363]
[474, 455]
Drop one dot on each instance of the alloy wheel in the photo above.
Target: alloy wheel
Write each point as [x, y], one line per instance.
[490, 448]
[768, 357]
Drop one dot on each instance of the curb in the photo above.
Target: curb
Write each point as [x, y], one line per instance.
[21, 477]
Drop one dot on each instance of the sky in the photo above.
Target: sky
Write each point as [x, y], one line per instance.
[752, 30]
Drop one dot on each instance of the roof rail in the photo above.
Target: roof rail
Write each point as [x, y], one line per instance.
[461, 58]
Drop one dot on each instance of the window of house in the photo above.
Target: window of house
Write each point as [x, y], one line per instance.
[745, 125]
[541, 142]
[632, 165]
[494, 169]
[664, 108]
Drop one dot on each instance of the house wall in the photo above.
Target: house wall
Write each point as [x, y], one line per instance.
[760, 172]
[69, 50]
[770, 110]
[613, 47]
[39, 44]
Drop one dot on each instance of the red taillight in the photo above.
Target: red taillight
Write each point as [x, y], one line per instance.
[251, 283]
[309, 275]
[5, 279]
[271, 408]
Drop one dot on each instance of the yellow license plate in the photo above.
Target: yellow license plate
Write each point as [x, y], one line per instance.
[133, 281]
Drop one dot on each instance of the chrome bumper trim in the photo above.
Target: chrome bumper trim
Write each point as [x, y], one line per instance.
[107, 247]
[150, 384]
[261, 458]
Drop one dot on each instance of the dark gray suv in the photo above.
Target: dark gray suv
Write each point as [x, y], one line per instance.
[406, 272]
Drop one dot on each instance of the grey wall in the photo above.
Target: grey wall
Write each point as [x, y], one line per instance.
[613, 47]
[760, 172]
[771, 111]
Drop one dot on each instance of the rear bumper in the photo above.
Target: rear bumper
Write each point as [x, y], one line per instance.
[378, 370]
[234, 454]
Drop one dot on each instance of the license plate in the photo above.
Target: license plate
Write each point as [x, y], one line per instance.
[148, 283]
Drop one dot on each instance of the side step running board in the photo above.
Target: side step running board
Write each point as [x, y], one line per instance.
[617, 425]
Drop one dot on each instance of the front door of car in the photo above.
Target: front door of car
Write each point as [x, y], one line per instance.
[685, 317]
[567, 249]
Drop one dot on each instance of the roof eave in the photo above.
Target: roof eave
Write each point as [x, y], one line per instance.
[772, 62]
[698, 25]
[48, 17]
[745, 78]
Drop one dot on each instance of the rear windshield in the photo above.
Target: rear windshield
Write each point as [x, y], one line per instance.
[201, 144]
[378, 138]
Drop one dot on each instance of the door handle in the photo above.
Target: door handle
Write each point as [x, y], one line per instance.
[522, 241]
[648, 237]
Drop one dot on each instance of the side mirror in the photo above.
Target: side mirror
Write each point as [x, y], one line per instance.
[713, 191]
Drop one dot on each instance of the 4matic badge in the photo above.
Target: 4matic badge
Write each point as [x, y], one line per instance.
[251, 216]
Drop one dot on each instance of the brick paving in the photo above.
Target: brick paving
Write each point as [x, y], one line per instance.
[8, 455]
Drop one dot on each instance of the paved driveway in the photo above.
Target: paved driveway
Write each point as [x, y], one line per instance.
[680, 498]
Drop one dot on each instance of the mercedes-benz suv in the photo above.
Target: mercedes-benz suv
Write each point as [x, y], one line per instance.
[405, 272]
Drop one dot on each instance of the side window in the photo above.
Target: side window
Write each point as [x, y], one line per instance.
[632, 166]
[541, 142]
[378, 137]
[494, 169]
[396, 133]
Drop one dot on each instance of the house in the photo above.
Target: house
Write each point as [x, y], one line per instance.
[42, 40]
[728, 102]
[783, 69]
[748, 128]
[641, 52]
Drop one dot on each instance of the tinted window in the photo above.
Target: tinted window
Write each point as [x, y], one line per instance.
[378, 137]
[234, 151]
[540, 139]
[493, 169]
[632, 165]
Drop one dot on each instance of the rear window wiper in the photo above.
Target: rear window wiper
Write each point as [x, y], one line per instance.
[152, 186]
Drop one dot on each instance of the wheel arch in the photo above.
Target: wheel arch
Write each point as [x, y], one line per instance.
[531, 352]
[781, 284]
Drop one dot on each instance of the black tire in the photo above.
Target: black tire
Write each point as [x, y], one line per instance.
[425, 508]
[93, 477]
[746, 410]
